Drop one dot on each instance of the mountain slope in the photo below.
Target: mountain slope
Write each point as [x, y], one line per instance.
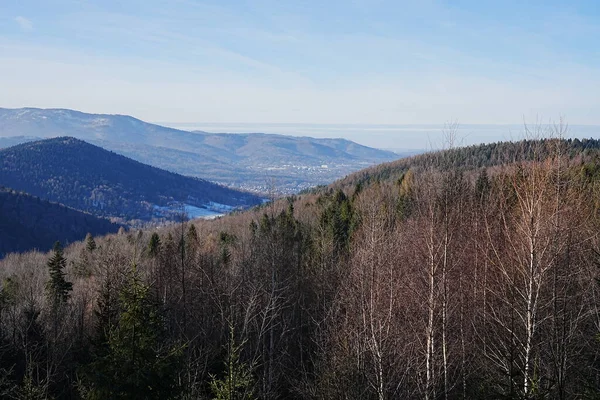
[391, 252]
[294, 162]
[89, 178]
[27, 222]
[476, 157]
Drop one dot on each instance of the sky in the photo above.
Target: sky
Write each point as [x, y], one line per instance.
[268, 63]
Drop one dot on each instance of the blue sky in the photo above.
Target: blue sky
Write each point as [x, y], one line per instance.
[307, 62]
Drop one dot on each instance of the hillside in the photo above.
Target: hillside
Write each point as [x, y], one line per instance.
[27, 223]
[472, 248]
[247, 161]
[476, 157]
[89, 178]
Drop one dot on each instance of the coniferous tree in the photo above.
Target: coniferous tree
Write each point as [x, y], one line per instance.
[138, 361]
[154, 245]
[191, 239]
[58, 289]
[338, 221]
[90, 243]
[33, 348]
[405, 199]
[237, 384]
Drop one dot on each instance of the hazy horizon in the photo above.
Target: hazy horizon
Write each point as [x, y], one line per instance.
[384, 136]
[387, 136]
[359, 62]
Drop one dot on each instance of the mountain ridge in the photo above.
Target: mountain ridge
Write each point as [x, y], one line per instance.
[295, 162]
[476, 157]
[89, 178]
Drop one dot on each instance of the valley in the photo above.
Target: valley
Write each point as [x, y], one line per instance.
[257, 162]
[88, 178]
[299, 200]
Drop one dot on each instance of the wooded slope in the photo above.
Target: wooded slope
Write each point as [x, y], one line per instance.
[27, 223]
[435, 283]
[89, 178]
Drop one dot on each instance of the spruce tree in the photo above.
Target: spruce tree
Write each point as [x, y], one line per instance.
[137, 359]
[154, 245]
[58, 289]
[238, 382]
[191, 238]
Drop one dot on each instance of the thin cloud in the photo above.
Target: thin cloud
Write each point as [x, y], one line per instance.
[25, 24]
[222, 64]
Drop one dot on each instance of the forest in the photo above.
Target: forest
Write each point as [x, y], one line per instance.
[27, 222]
[429, 281]
[90, 179]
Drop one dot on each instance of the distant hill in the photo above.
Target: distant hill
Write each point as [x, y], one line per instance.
[476, 157]
[272, 148]
[89, 178]
[27, 222]
[251, 161]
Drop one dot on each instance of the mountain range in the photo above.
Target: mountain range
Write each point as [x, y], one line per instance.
[254, 161]
[88, 178]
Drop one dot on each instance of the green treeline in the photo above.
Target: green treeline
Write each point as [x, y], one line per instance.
[430, 283]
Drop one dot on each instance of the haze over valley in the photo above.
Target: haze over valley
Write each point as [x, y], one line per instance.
[261, 163]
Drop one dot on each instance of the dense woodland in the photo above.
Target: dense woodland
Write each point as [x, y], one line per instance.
[478, 156]
[27, 222]
[88, 178]
[425, 283]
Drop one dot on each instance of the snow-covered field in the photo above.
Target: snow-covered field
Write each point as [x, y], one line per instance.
[209, 211]
[204, 213]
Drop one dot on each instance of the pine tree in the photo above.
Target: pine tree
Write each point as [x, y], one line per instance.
[58, 289]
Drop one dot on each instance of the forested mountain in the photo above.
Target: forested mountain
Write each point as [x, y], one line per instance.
[89, 178]
[246, 161]
[432, 281]
[27, 223]
[479, 156]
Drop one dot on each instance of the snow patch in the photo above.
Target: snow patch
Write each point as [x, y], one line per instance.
[208, 211]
